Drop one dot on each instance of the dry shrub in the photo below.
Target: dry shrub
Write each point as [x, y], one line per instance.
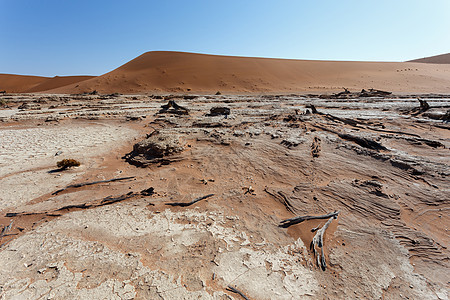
[67, 163]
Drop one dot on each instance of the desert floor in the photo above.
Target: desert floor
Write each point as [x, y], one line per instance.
[381, 162]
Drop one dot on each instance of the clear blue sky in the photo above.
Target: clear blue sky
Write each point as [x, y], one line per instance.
[63, 37]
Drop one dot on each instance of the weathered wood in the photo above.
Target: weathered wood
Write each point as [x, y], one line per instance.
[292, 221]
[77, 185]
[177, 109]
[4, 232]
[318, 242]
[235, 290]
[97, 203]
[362, 141]
[189, 203]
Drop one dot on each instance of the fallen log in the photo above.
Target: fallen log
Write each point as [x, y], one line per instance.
[317, 242]
[292, 221]
[77, 185]
[235, 290]
[189, 203]
[362, 141]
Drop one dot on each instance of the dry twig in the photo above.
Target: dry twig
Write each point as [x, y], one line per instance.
[189, 203]
[234, 290]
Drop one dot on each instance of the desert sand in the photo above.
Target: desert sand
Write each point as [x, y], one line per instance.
[177, 72]
[31, 84]
[299, 180]
[381, 162]
[437, 59]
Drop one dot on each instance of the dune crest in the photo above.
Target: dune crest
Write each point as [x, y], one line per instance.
[437, 59]
[179, 72]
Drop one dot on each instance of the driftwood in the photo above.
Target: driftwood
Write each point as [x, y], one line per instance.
[281, 197]
[77, 185]
[289, 222]
[235, 290]
[318, 242]
[189, 203]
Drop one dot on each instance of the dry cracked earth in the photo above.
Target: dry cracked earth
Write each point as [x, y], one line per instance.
[382, 163]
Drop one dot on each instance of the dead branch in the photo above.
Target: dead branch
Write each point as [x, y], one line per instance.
[97, 203]
[289, 222]
[281, 197]
[318, 242]
[234, 290]
[4, 232]
[189, 203]
[77, 185]
[362, 141]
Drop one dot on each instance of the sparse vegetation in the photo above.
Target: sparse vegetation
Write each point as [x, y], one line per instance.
[68, 163]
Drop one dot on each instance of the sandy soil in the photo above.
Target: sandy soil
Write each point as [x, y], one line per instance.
[269, 160]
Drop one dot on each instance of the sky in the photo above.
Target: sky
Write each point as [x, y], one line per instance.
[89, 37]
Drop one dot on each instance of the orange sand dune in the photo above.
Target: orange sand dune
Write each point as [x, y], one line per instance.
[438, 59]
[177, 72]
[31, 84]
[56, 82]
[19, 83]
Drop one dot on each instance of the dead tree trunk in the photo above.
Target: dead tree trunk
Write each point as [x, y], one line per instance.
[317, 242]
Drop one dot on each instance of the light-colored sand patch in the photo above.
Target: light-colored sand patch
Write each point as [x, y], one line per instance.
[26, 156]
[26, 149]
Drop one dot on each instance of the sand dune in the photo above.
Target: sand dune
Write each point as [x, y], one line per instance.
[200, 73]
[19, 83]
[56, 82]
[31, 84]
[437, 59]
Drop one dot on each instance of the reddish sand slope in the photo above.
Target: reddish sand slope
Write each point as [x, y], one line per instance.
[201, 73]
[19, 83]
[58, 81]
[438, 59]
[31, 84]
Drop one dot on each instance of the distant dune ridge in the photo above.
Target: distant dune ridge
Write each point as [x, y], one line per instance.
[437, 59]
[179, 72]
[32, 84]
